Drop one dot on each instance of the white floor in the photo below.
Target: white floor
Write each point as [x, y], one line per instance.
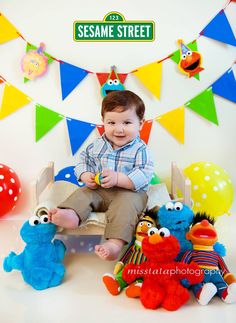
[82, 296]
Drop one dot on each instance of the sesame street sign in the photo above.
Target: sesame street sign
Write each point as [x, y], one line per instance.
[114, 27]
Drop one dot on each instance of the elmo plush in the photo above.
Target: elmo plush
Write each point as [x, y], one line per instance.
[161, 275]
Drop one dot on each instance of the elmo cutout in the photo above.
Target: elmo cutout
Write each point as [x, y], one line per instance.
[190, 61]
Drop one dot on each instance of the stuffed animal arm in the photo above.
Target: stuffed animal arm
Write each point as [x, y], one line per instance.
[13, 261]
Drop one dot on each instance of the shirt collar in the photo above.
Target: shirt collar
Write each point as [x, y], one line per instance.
[131, 143]
[203, 248]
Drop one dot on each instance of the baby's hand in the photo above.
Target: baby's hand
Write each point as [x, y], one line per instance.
[110, 178]
[88, 179]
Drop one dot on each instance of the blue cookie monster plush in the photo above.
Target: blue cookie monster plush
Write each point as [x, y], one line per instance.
[40, 262]
[177, 217]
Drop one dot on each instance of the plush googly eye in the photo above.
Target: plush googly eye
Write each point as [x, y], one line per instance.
[152, 231]
[110, 82]
[169, 206]
[189, 53]
[178, 206]
[44, 219]
[183, 56]
[116, 82]
[34, 220]
[149, 225]
[164, 232]
[140, 224]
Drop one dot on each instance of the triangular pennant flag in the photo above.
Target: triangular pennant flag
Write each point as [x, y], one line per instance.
[78, 132]
[145, 131]
[7, 30]
[46, 119]
[33, 47]
[122, 77]
[71, 76]
[13, 99]
[173, 122]
[100, 129]
[225, 86]
[150, 75]
[204, 105]
[220, 29]
[176, 55]
[102, 77]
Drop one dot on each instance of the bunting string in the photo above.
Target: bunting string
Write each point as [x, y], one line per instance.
[173, 121]
[150, 75]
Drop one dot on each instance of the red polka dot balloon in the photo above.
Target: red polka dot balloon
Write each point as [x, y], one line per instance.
[9, 189]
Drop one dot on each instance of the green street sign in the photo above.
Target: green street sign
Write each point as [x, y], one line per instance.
[114, 28]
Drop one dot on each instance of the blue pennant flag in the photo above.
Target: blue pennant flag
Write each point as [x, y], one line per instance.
[220, 29]
[78, 132]
[71, 76]
[225, 86]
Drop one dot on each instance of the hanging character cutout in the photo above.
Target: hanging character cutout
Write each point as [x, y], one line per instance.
[112, 81]
[34, 63]
[190, 61]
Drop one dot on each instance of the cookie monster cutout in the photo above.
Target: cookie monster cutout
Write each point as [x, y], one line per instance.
[190, 61]
[111, 82]
[67, 174]
[41, 261]
[161, 275]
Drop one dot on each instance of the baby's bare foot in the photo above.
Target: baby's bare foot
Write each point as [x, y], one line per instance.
[65, 218]
[110, 249]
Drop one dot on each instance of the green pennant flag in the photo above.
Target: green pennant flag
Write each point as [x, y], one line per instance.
[46, 119]
[204, 105]
[32, 47]
[176, 55]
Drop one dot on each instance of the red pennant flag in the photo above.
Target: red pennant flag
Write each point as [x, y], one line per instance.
[102, 77]
[100, 129]
[122, 77]
[145, 131]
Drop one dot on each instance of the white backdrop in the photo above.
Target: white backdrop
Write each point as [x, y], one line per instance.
[52, 22]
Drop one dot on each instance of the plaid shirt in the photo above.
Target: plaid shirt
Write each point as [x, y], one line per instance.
[132, 159]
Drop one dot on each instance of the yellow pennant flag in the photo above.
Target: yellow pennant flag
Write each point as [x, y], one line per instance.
[13, 99]
[7, 30]
[150, 75]
[173, 122]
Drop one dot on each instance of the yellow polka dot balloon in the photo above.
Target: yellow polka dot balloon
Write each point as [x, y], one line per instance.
[212, 189]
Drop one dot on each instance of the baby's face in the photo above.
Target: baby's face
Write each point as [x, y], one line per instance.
[121, 127]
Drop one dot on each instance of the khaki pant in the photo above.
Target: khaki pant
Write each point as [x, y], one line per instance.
[123, 208]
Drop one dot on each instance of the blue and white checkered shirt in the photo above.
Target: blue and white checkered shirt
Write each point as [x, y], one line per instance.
[132, 159]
